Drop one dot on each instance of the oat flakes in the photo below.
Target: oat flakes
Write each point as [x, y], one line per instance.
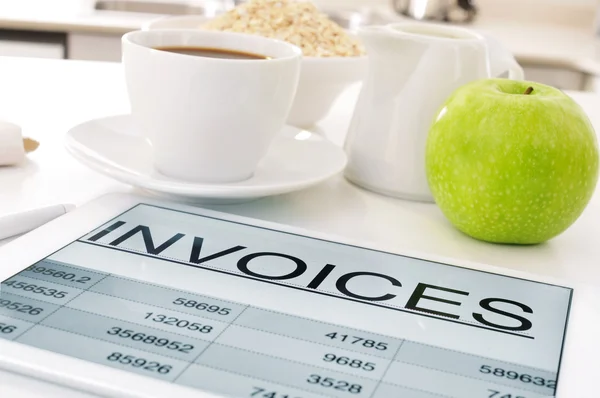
[297, 22]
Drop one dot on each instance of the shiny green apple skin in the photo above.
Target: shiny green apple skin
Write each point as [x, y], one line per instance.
[507, 167]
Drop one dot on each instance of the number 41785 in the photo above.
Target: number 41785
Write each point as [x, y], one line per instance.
[378, 345]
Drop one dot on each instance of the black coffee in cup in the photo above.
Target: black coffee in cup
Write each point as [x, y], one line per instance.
[212, 52]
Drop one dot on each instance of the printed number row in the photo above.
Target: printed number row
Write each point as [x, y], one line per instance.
[264, 393]
[330, 382]
[20, 307]
[200, 306]
[58, 274]
[180, 323]
[378, 345]
[142, 363]
[500, 394]
[353, 363]
[149, 339]
[512, 375]
[5, 328]
[28, 287]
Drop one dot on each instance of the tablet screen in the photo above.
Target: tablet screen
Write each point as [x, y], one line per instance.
[243, 310]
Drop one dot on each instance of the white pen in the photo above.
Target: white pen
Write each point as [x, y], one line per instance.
[14, 224]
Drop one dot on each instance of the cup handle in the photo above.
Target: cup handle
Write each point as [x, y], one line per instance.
[502, 60]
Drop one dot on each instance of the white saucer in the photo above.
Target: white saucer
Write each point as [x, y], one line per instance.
[297, 159]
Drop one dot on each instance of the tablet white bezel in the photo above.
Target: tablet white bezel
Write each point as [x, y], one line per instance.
[580, 353]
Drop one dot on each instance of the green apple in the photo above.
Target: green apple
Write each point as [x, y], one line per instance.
[509, 164]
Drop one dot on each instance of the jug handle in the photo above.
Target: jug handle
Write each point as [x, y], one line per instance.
[515, 72]
[502, 60]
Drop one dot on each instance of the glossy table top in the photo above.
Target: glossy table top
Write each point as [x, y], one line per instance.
[47, 97]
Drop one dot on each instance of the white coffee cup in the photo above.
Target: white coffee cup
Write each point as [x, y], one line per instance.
[209, 119]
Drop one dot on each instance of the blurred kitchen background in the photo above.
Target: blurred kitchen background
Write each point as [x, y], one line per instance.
[556, 41]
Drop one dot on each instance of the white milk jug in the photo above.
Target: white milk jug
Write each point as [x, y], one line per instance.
[413, 69]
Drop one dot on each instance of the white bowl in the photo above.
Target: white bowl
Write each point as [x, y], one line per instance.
[322, 80]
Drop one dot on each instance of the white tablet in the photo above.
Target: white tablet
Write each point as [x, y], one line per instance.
[133, 297]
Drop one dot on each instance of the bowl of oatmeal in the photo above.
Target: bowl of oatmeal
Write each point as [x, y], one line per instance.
[332, 60]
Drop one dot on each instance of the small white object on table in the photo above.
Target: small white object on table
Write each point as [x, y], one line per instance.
[12, 149]
[47, 97]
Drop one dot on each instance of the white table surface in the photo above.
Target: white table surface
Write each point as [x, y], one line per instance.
[47, 97]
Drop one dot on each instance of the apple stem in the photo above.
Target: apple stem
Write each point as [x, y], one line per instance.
[528, 91]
